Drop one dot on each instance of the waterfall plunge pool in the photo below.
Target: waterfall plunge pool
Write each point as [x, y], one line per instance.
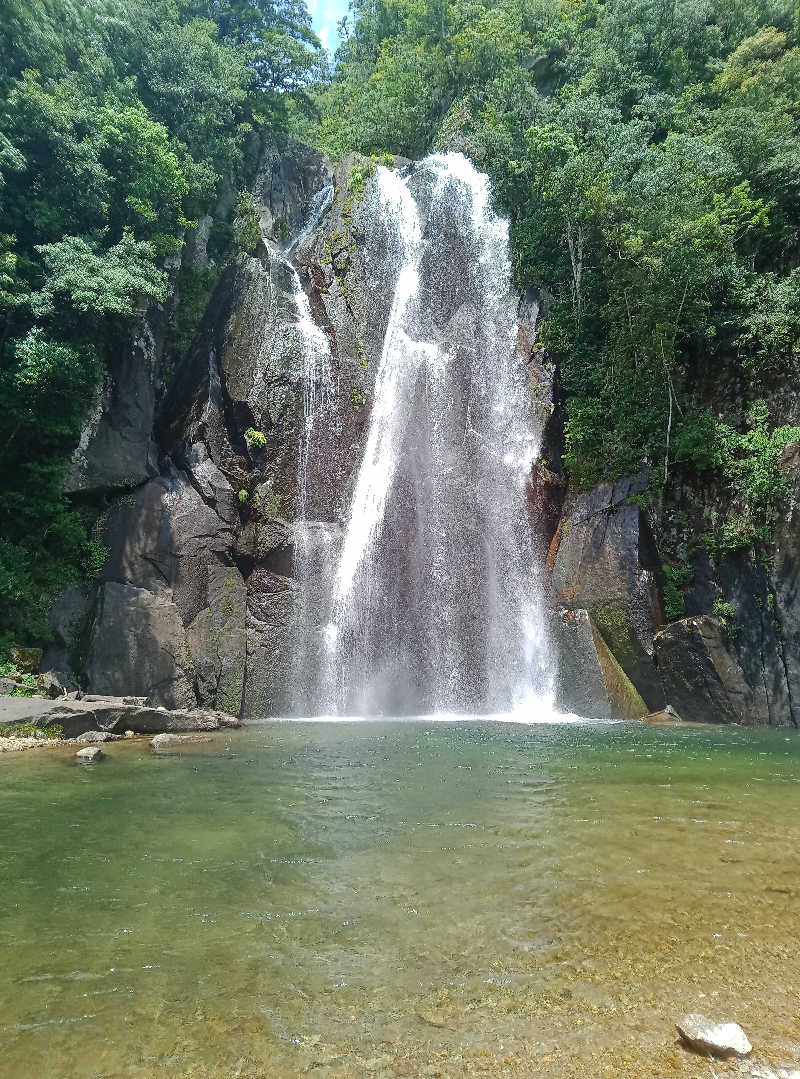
[399, 899]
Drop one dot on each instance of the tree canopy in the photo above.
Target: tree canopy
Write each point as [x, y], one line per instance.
[646, 152]
[119, 121]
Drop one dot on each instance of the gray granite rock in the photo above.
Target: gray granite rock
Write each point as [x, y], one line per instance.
[701, 674]
[90, 755]
[717, 1039]
[606, 562]
[590, 682]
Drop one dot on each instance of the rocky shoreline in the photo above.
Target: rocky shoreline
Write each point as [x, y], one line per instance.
[74, 717]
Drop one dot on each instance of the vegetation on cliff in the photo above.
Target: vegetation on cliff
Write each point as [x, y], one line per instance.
[120, 123]
[648, 155]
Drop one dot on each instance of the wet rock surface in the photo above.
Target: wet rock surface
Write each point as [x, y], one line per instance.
[605, 561]
[590, 681]
[199, 602]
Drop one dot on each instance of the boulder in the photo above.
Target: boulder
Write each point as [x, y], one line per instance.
[590, 682]
[96, 737]
[90, 755]
[169, 741]
[700, 674]
[716, 1039]
[7, 686]
[51, 685]
[604, 560]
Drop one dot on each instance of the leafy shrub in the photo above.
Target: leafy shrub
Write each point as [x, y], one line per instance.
[725, 612]
[256, 438]
[246, 225]
[675, 578]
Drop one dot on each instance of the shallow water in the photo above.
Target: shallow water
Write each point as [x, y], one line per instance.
[399, 899]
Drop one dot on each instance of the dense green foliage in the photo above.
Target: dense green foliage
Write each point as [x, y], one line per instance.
[648, 154]
[646, 151]
[119, 122]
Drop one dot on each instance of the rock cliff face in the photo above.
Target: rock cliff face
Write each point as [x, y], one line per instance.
[199, 603]
[732, 659]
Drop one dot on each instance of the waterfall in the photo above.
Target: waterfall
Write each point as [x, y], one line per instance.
[435, 602]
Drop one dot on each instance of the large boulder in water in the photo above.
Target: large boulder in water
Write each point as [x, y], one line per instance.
[589, 680]
[604, 560]
[700, 674]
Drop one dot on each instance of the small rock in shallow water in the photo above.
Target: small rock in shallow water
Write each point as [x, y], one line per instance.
[718, 1039]
[90, 737]
[130, 734]
[90, 755]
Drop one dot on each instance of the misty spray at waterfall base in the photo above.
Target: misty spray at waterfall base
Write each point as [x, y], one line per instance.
[430, 598]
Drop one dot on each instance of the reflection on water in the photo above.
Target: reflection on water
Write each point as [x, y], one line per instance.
[399, 899]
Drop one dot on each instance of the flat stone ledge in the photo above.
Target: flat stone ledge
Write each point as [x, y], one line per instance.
[109, 714]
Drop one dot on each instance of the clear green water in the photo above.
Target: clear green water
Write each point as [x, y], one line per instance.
[399, 899]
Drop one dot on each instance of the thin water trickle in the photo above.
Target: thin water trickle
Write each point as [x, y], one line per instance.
[320, 204]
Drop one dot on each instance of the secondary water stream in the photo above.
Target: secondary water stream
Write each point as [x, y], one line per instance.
[393, 899]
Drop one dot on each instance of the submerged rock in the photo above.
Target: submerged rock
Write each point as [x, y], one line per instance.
[90, 755]
[169, 741]
[761, 1071]
[666, 715]
[718, 1039]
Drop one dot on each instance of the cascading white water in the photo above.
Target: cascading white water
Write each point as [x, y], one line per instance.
[435, 601]
[317, 381]
[400, 360]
